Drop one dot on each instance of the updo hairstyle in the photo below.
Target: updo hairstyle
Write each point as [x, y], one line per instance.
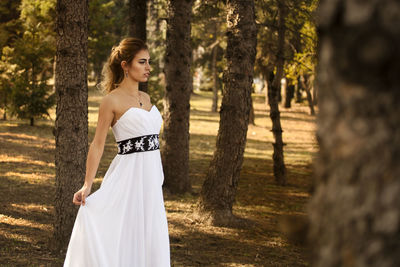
[112, 73]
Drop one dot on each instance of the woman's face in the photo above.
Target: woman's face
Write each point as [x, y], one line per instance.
[139, 68]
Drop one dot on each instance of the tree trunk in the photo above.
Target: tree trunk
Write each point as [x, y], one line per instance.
[273, 94]
[251, 114]
[71, 126]
[315, 95]
[137, 19]
[289, 93]
[5, 105]
[215, 74]
[355, 211]
[31, 121]
[298, 93]
[219, 188]
[175, 148]
[306, 84]
[137, 25]
[269, 77]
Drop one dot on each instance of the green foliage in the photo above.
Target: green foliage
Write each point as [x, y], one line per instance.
[300, 37]
[6, 74]
[107, 23]
[29, 60]
[9, 23]
[156, 41]
[31, 101]
[208, 37]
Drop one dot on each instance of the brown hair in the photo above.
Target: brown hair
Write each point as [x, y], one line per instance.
[113, 74]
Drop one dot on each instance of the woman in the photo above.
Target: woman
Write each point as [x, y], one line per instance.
[124, 222]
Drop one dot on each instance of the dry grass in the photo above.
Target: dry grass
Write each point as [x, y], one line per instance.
[27, 186]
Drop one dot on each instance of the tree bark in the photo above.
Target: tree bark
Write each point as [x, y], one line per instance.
[137, 25]
[268, 78]
[273, 95]
[289, 93]
[306, 84]
[214, 72]
[355, 211]
[137, 19]
[71, 126]
[298, 91]
[251, 114]
[315, 95]
[219, 188]
[175, 148]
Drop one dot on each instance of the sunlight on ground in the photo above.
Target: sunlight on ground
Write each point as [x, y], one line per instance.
[25, 160]
[23, 222]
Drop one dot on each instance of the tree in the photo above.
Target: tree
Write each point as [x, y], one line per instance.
[209, 45]
[9, 21]
[301, 64]
[273, 94]
[10, 25]
[6, 73]
[105, 30]
[175, 153]
[137, 19]
[157, 27]
[31, 55]
[71, 126]
[137, 25]
[219, 188]
[284, 25]
[354, 212]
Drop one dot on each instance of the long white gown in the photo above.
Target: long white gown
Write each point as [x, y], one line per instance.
[124, 222]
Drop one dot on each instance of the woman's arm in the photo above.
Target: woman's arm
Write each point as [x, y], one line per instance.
[105, 117]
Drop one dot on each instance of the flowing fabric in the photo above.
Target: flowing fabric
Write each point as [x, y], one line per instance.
[124, 222]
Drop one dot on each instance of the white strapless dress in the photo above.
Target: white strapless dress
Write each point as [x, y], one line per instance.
[124, 222]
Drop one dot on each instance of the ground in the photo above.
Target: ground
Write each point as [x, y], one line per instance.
[27, 190]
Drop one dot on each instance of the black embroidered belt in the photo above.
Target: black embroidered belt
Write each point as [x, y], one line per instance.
[138, 144]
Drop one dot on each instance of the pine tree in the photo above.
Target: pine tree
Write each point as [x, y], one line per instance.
[32, 55]
[178, 58]
[355, 211]
[219, 188]
[71, 127]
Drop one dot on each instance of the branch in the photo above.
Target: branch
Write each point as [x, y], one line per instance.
[291, 30]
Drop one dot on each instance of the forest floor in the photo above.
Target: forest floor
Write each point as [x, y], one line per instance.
[27, 188]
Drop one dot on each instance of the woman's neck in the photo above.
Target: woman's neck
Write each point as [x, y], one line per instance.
[129, 86]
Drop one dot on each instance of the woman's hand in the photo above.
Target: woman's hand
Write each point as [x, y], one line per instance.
[80, 196]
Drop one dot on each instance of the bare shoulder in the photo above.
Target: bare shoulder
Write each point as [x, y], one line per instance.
[109, 101]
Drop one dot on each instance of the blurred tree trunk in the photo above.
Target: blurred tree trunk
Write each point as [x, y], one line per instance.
[298, 91]
[71, 126]
[289, 93]
[315, 95]
[355, 210]
[219, 188]
[306, 84]
[175, 149]
[268, 78]
[6, 95]
[251, 114]
[137, 25]
[273, 95]
[214, 106]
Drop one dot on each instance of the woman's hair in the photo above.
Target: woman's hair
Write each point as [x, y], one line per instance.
[112, 73]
